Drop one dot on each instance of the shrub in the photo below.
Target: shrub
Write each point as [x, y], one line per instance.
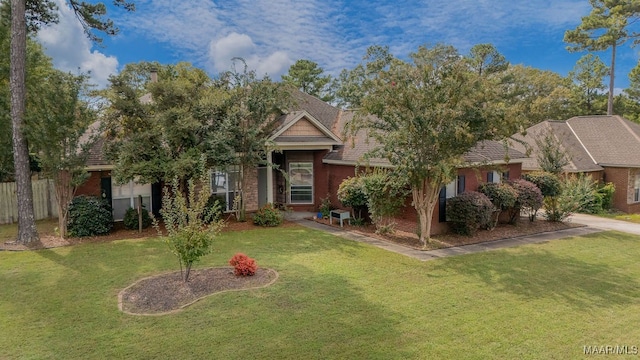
[529, 199]
[214, 208]
[557, 208]
[606, 192]
[352, 193]
[385, 195]
[583, 191]
[131, 219]
[326, 206]
[268, 215]
[501, 195]
[89, 216]
[548, 183]
[243, 265]
[469, 211]
[189, 238]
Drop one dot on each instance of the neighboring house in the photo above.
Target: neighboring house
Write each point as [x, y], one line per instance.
[605, 147]
[311, 150]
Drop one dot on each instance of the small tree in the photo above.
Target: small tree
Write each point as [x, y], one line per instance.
[188, 235]
[551, 157]
[58, 128]
[551, 188]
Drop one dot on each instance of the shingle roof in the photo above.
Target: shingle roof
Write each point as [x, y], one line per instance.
[317, 108]
[590, 141]
[356, 147]
[611, 140]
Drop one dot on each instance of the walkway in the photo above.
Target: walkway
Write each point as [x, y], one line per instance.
[440, 253]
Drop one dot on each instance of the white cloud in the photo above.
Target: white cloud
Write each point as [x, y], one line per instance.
[70, 49]
[234, 45]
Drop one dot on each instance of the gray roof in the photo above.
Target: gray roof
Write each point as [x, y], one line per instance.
[355, 148]
[610, 140]
[96, 156]
[320, 110]
[590, 141]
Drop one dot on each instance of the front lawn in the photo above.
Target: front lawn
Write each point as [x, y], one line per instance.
[634, 218]
[334, 299]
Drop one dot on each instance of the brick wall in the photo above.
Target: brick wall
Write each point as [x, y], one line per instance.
[473, 177]
[623, 195]
[92, 186]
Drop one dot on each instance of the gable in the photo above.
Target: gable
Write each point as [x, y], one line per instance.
[303, 127]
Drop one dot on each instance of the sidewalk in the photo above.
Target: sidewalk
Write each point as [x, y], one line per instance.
[452, 251]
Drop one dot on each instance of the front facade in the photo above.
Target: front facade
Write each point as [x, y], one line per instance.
[607, 148]
[310, 159]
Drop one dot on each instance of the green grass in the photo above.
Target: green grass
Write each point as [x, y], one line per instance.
[9, 232]
[634, 218]
[334, 299]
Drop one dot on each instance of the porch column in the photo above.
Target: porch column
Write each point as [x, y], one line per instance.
[269, 178]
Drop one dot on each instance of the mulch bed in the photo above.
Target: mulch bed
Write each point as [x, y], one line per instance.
[168, 293]
[405, 233]
[48, 241]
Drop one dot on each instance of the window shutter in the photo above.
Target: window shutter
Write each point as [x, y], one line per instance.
[461, 184]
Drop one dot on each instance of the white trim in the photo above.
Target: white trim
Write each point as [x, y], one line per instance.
[270, 177]
[311, 119]
[386, 165]
[621, 166]
[304, 146]
[289, 182]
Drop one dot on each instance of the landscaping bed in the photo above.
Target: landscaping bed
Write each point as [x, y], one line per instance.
[405, 233]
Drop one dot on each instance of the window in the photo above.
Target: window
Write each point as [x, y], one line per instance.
[224, 184]
[301, 182]
[125, 196]
[493, 177]
[461, 184]
[636, 189]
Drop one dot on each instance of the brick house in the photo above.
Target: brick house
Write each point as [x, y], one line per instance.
[312, 151]
[605, 147]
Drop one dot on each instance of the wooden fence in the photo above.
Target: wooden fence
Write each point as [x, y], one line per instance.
[44, 201]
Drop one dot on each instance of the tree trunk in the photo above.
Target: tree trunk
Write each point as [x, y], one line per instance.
[64, 195]
[425, 198]
[611, 80]
[27, 231]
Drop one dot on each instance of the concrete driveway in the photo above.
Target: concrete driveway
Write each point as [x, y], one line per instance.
[606, 224]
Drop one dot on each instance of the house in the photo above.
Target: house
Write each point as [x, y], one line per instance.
[311, 149]
[603, 146]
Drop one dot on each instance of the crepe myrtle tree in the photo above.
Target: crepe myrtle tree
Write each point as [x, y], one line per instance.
[422, 115]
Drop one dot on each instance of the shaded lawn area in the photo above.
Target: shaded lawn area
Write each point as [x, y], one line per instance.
[334, 299]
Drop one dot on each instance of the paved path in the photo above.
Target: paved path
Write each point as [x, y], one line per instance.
[440, 253]
[606, 224]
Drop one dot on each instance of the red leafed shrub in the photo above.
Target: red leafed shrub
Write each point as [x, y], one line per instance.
[243, 265]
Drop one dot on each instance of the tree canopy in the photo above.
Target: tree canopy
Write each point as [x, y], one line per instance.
[308, 77]
[424, 114]
[608, 25]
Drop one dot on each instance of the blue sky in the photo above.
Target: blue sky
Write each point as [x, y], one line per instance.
[272, 35]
